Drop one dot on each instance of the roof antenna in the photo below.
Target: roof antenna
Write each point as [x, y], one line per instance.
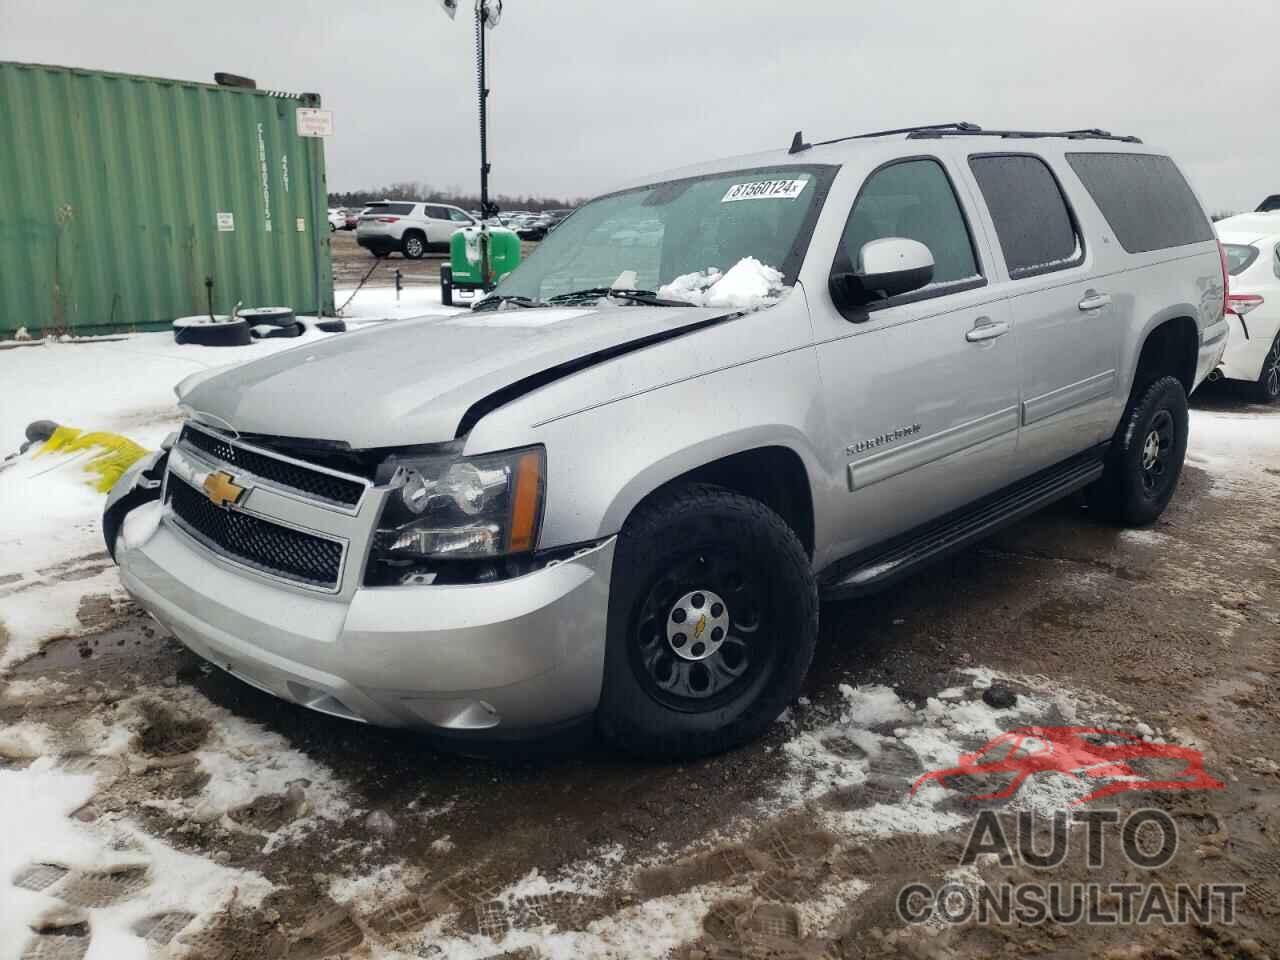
[797, 143]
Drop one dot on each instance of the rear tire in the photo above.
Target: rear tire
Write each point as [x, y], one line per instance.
[730, 569]
[1267, 388]
[413, 245]
[1146, 456]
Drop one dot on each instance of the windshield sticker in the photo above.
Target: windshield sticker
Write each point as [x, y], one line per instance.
[765, 190]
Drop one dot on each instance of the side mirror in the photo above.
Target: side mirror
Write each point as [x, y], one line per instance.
[886, 268]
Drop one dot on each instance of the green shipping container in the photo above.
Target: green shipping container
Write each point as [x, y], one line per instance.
[121, 195]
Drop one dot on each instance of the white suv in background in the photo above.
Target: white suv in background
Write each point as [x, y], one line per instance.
[411, 228]
[1252, 245]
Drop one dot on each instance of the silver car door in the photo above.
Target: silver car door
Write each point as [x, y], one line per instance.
[1068, 312]
[920, 391]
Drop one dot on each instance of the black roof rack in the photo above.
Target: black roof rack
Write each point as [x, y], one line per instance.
[1090, 134]
[963, 129]
[798, 144]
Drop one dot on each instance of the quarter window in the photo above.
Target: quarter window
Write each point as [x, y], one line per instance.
[914, 199]
[1145, 199]
[1036, 229]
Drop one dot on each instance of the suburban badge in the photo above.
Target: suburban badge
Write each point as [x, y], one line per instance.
[893, 435]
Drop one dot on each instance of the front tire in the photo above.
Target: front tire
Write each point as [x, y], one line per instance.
[1146, 456]
[713, 619]
[1267, 388]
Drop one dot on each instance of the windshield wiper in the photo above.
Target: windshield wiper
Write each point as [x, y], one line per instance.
[507, 298]
[647, 297]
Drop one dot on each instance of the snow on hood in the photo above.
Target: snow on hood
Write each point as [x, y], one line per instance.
[748, 284]
[411, 381]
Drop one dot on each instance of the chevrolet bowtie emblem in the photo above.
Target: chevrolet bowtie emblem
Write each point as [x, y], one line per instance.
[222, 489]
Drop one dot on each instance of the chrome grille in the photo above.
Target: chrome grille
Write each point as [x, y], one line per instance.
[257, 543]
[313, 483]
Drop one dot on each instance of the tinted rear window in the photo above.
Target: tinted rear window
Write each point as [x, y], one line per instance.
[1144, 198]
[399, 209]
[1036, 229]
[1240, 257]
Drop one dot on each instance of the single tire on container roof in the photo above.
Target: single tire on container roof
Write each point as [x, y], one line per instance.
[278, 316]
[206, 331]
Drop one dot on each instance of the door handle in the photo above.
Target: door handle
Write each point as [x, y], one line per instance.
[984, 328]
[1094, 300]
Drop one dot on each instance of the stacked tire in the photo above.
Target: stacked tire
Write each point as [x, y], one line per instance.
[270, 323]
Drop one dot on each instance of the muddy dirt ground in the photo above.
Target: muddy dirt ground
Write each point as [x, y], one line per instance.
[1177, 628]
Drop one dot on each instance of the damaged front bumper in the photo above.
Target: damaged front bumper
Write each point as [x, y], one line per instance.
[507, 658]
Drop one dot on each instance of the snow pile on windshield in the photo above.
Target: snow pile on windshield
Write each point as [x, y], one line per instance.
[748, 283]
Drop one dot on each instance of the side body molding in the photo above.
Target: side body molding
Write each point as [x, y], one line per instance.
[891, 463]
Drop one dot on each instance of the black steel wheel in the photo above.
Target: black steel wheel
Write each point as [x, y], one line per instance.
[713, 618]
[705, 629]
[1146, 455]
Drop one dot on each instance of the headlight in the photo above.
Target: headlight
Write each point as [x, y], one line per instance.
[443, 506]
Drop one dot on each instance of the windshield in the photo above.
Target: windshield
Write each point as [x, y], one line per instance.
[645, 238]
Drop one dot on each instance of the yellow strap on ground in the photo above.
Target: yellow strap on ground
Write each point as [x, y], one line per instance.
[116, 453]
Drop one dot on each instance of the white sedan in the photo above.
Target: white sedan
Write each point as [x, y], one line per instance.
[337, 219]
[1252, 245]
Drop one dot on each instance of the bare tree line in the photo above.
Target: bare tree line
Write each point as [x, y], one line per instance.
[416, 190]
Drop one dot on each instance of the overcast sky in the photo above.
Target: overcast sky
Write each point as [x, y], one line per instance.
[588, 92]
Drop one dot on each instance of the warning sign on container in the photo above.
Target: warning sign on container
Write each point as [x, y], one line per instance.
[315, 123]
[226, 222]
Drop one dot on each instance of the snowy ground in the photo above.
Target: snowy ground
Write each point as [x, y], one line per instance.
[142, 817]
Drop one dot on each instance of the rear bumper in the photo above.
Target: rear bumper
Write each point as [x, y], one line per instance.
[378, 243]
[497, 659]
[1244, 356]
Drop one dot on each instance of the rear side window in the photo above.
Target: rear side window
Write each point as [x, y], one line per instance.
[1036, 228]
[1240, 257]
[1145, 199]
[914, 199]
[399, 209]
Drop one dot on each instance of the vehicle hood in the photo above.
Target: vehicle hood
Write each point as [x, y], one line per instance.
[412, 381]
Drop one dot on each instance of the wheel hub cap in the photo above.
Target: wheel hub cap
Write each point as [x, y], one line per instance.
[697, 625]
[1151, 450]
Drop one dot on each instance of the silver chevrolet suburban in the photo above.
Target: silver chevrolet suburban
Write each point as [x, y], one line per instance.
[619, 484]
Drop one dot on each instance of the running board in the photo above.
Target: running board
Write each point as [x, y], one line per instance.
[874, 569]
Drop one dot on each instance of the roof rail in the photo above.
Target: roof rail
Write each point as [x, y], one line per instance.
[1090, 134]
[961, 126]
